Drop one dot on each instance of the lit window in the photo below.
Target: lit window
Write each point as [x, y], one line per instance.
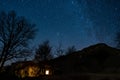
[47, 72]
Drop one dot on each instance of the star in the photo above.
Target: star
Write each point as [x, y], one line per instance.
[58, 34]
[116, 9]
[73, 2]
[45, 17]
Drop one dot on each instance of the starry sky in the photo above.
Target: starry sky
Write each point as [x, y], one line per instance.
[70, 22]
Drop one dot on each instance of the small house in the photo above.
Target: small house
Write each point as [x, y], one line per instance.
[31, 69]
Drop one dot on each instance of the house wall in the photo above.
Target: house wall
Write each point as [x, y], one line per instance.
[33, 71]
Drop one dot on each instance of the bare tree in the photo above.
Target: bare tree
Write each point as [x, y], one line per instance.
[15, 34]
[43, 52]
[59, 51]
[117, 39]
[70, 50]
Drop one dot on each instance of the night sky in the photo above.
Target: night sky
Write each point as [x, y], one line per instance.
[70, 22]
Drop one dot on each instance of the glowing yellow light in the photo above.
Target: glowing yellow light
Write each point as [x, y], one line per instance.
[47, 72]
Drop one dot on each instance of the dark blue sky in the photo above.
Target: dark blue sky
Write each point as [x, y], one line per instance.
[70, 22]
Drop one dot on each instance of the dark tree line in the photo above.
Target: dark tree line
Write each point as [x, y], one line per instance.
[44, 51]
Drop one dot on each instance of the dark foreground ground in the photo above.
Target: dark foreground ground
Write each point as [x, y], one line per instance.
[88, 76]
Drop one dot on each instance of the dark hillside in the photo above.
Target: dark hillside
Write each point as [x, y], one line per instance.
[96, 58]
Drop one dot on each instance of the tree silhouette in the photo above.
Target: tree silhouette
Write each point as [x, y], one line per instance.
[59, 51]
[43, 52]
[15, 34]
[117, 39]
[70, 50]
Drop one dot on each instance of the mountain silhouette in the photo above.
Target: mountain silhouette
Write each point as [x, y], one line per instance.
[96, 58]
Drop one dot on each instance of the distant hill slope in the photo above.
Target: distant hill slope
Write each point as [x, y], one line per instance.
[96, 58]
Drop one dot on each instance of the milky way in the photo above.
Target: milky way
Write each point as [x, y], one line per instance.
[71, 22]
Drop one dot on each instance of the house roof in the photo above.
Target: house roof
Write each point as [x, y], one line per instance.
[23, 64]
